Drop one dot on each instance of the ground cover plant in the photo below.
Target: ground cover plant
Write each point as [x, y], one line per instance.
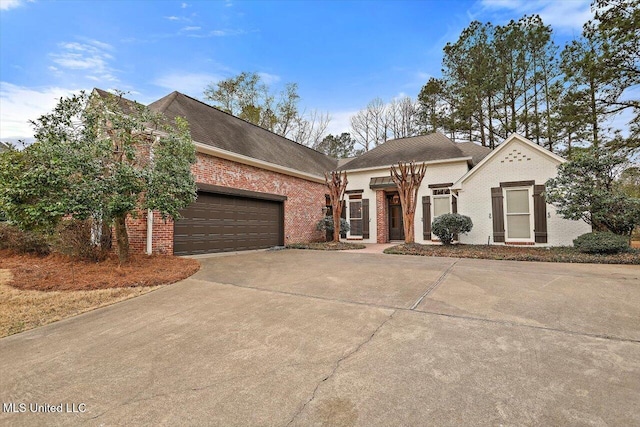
[326, 246]
[555, 254]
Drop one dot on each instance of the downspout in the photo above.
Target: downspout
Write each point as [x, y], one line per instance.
[149, 211]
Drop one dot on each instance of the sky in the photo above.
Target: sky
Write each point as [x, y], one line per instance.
[342, 54]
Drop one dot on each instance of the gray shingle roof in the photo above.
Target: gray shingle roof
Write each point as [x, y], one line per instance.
[421, 148]
[218, 129]
[475, 151]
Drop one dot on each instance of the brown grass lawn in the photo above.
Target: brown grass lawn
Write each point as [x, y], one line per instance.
[36, 290]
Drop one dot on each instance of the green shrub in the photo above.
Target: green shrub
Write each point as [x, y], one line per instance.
[14, 239]
[601, 243]
[326, 224]
[448, 225]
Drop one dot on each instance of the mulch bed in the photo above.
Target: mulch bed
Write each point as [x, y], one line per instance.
[555, 254]
[61, 273]
[326, 246]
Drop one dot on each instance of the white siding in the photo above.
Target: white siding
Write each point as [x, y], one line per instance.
[435, 174]
[516, 162]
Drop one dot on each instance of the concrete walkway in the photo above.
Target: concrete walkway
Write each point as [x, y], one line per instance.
[303, 338]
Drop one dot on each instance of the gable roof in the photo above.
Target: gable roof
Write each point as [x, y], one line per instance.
[475, 151]
[513, 137]
[221, 130]
[423, 148]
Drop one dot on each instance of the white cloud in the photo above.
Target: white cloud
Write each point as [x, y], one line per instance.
[11, 4]
[340, 122]
[172, 18]
[92, 56]
[184, 5]
[20, 104]
[192, 84]
[269, 79]
[560, 14]
[191, 29]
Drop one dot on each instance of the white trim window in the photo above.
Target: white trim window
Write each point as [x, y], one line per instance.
[441, 202]
[518, 212]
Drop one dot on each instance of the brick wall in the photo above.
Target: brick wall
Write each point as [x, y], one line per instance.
[382, 217]
[302, 209]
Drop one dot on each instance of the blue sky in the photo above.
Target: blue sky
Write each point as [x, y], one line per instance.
[341, 54]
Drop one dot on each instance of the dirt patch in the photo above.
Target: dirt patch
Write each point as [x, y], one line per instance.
[556, 254]
[327, 246]
[61, 273]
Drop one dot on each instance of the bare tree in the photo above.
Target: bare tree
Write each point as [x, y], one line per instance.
[408, 178]
[337, 183]
[370, 127]
[310, 129]
[402, 117]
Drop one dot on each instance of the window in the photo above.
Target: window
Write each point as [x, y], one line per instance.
[441, 202]
[355, 217]
[518, 213]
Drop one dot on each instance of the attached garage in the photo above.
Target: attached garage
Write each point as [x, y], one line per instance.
[225, 219]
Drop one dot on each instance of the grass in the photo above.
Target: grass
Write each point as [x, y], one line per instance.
[327, 246]
[555, 254]
[35, 291]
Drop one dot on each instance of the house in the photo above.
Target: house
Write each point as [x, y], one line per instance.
[258, 190]
[500, 190]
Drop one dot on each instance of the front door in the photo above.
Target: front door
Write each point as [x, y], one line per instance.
[396, 227]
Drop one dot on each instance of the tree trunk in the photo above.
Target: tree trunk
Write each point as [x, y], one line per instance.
[106, 236]
[336, 223]
[122, 239]
[407, 178]
[337, 184]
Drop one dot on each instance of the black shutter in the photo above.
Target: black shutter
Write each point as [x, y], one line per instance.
[454, 209]
[497, 213]
[539, 214]
[365, 218]
[343, 215]
[426, 217]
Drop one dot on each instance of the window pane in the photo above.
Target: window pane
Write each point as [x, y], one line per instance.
[355, 209]
[518, 227]
[441, 205]
[517, 201]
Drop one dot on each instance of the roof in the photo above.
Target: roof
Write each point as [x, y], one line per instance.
[475, 151]
[126, 105]
[513, 137]
[423, 148]
[221, 130]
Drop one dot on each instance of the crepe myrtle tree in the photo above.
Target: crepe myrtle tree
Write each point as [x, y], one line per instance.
[100, 157]
[408, 177]
[589, 188]
[336, 182]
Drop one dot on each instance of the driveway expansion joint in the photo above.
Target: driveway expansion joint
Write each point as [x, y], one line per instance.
[434, 285]
[336, 366]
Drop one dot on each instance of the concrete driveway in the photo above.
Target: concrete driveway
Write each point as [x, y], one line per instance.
[319, 338]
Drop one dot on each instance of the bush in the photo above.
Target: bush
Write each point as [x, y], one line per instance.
[601, 243]
[73, 238]
[19, 241]
[326, 224]
[448, 225]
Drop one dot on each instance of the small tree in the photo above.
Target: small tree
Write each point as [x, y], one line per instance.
[408, 178]
[587, 188]
[447, 226]
[98, 157]
[337, 184]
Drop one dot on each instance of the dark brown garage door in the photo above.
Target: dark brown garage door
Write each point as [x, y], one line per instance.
[223, 223]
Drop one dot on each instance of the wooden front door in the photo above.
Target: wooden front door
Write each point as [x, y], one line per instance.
[396, 226]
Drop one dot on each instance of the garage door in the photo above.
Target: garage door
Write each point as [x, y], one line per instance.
[223, 223]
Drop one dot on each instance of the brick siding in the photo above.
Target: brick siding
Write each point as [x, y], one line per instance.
[302, 209]
[382, 217]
